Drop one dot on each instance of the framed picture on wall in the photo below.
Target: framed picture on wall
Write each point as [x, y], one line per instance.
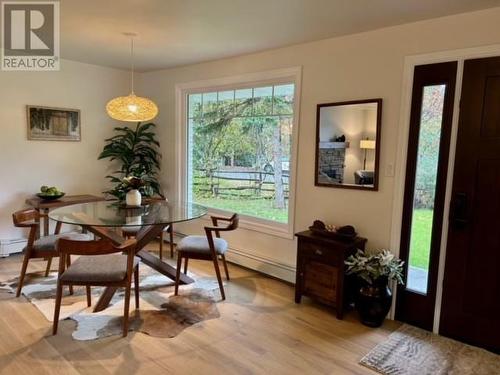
[53, 124]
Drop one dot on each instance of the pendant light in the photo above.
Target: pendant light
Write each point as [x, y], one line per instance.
[131, 108]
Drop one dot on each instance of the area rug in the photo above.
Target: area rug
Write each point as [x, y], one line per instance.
[161, 314]
[412, 351]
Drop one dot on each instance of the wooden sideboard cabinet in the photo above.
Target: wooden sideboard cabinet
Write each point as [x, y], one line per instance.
[321, 269]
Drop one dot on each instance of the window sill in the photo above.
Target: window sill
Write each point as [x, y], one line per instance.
[255, 224]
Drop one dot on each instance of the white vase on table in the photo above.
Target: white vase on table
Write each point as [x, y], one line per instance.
[134, 221]
[133, 198]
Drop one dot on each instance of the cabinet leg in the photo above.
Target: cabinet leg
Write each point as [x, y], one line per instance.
[298, 296]
[340, 314]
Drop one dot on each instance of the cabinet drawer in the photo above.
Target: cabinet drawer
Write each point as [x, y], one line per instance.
[320, 253]
[320, 281]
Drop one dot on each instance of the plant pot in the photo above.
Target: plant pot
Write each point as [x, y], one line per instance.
[133, 198]
[373, 302]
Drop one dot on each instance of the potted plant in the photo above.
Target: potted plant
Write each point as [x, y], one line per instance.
[374, 298]
[137, 153]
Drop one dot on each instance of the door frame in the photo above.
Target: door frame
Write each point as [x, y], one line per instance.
[410, 62]
[412, 306]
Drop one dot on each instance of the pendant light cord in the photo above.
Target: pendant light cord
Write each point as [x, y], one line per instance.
[132, 62]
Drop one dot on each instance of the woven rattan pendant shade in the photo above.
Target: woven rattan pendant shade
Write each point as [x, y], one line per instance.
[131, 108]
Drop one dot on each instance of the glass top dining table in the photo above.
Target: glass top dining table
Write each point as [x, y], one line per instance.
[117, 214]
[107, 219]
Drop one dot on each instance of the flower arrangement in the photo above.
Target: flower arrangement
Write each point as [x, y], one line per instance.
[375, 267]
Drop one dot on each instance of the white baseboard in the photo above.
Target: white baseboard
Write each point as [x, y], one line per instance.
[264, 265]
[8, 247]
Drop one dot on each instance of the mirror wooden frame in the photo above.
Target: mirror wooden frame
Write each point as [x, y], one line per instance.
[378, 101]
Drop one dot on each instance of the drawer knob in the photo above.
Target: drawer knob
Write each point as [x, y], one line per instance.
[318, 252]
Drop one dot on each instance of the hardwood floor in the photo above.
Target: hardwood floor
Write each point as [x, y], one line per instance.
[261, 330]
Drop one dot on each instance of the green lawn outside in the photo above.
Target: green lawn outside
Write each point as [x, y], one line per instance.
[262, 208]
[420, 238]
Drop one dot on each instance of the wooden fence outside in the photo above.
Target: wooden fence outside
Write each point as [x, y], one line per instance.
[258, 182]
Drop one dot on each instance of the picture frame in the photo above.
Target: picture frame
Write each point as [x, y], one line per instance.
[53, 124]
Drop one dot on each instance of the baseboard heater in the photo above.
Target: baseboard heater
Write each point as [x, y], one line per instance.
[8, 247]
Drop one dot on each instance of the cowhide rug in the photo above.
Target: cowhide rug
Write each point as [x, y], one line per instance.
[161, 314]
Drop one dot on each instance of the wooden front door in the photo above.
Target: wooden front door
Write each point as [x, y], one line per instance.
[470, 309]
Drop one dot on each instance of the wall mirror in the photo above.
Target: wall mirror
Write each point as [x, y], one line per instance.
[348, 144]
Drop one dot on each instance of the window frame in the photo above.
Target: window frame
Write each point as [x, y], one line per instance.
[251, 80]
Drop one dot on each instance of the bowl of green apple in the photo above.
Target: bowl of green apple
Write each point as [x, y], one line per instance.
[50, 193]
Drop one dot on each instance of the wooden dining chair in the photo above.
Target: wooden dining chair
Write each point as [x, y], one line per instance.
[43, 247]
[207, 248]
[100, 264]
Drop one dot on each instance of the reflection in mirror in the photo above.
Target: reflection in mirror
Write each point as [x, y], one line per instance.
[347, 144]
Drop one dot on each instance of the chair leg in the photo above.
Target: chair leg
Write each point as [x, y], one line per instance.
[186, 266]
[68, 263]
[219, 278]
[126, 308]
[171, 238]
[225, 266]
[178, 273]
[23, 273]
[89, 296]
[161, 245]
[49, 263]
[136, 286]
[57, 307]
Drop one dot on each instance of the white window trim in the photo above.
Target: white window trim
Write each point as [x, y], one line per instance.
[182, 90]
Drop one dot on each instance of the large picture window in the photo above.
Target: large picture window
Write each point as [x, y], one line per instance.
[239, 149]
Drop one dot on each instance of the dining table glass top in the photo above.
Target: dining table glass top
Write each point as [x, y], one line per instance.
[117, 214]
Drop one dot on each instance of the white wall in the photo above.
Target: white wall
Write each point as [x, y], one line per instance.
[361, 66]
[71, 166]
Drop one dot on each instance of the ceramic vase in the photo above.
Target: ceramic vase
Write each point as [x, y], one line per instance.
[133, 198]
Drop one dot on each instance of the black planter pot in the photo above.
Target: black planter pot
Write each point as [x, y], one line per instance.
[373, 302]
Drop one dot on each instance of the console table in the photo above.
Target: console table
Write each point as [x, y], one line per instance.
[321, 269]
[43, 206]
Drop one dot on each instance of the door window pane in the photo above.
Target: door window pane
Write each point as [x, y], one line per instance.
[425, 187]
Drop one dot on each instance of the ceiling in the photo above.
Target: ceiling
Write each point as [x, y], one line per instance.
[180, 32]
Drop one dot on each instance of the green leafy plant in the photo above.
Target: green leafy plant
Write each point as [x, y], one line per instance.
[137, 152]
[373, 267]
[133, 183]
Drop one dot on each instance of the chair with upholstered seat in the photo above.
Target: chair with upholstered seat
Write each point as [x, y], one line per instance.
[207, 248]
[42, 248]
[100, 264]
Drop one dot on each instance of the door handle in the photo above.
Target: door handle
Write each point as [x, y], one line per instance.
[459, 213]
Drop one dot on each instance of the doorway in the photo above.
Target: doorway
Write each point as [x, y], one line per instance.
[468, 302]
[425, 186]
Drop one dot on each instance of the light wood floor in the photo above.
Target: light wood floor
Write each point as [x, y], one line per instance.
[260, 331]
